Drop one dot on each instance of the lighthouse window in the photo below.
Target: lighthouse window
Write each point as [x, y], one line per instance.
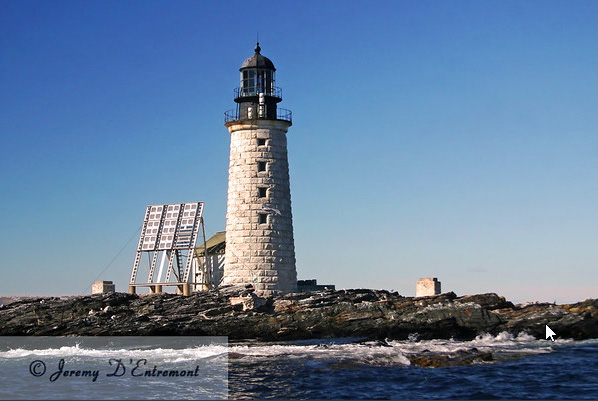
[261, 142]
[263, 218]
[262, 192]
[261, 166]
[269, 82]
[248, 82]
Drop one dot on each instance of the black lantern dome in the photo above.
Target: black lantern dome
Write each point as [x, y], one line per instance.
[258, 61]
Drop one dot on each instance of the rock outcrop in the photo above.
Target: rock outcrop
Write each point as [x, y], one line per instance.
[373, 314]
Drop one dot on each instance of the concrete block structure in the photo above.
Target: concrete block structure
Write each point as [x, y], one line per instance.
[312, 285]
[260, 248]
[427, 286]
[103, 287]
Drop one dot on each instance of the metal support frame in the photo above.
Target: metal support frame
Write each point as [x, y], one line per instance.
[170, 230]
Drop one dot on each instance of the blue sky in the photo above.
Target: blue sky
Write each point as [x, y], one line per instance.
[449, 139]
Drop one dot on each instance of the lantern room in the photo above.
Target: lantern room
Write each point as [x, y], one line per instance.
[257, 96]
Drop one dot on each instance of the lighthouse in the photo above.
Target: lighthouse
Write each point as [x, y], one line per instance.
[260, 249]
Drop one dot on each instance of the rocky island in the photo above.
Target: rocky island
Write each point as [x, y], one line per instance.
[238, 313]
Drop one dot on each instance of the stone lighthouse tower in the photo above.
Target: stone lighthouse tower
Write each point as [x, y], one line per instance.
[259, 229]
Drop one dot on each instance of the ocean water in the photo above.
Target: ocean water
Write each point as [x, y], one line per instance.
[523, 368]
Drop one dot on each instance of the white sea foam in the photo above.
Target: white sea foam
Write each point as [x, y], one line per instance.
[358, 353]
[501, 343]
[372, 353]
[397, 351]
[165, 355]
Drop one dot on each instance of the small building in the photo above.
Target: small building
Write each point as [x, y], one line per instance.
[312, 285]
[427, 286]
[103, 287]
[216, 246]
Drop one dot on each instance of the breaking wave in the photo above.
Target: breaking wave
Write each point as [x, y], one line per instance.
[392, 352]
[502, 343]
[380, 353]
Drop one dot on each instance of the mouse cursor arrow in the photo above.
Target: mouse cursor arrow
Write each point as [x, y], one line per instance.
[550, 333]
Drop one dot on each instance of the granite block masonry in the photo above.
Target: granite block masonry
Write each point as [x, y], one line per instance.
[260, 248]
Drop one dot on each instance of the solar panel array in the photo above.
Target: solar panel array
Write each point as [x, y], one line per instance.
[170, 230]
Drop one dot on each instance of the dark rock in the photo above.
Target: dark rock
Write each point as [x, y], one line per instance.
[236, 291]
[461, 358]
[368, 296]
[577, 321]
[359, 313]
[488, 301]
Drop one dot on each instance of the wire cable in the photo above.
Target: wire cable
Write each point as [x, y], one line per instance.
[113, 259]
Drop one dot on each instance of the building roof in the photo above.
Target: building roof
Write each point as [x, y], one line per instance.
[258, 61]
[215, 245]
